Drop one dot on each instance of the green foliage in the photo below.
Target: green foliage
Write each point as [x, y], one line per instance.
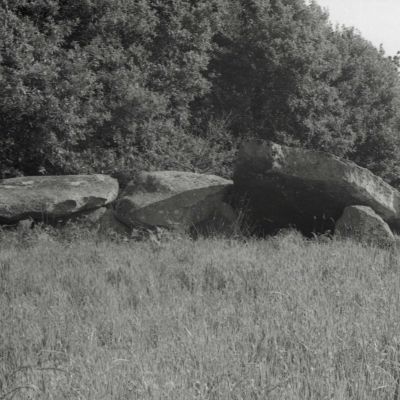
[96, 84]
[370, 88]
[123, 85]
[285, 74]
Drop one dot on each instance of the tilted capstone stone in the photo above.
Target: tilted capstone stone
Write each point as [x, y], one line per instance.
[173, 199]
[287, 186]
[54, 197]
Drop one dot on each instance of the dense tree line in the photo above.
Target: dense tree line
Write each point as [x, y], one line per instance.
[115, 85]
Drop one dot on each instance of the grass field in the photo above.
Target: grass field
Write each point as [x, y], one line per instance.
[282, 318]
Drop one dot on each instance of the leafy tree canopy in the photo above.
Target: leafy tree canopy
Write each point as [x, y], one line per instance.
[284, 73]
[108, 85]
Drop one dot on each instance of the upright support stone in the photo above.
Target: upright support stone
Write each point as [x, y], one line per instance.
[361, 223]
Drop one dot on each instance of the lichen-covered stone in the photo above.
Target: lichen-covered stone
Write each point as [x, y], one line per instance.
[172, 199]
[54, 197]
[291, 186]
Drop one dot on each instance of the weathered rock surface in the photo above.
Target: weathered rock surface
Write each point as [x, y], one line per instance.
[109, 225]
[92, 217]
[173, 199]
[25, 225]
[222, 222]
[292, 186]
[89, 219]
[361, 223]
[54, 197]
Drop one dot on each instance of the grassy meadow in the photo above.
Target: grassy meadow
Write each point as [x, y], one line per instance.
[83, 317]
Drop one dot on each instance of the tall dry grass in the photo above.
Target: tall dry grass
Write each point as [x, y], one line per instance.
[282, 318]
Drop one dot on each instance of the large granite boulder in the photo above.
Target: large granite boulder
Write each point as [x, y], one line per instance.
[307, 189]
[50, 198]
[174, 200]
[362, 224]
